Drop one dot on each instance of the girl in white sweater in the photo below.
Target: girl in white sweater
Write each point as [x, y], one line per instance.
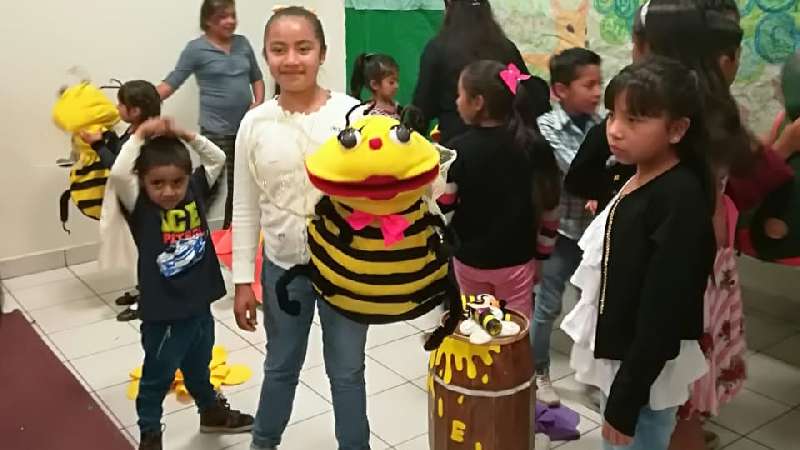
[273, 196]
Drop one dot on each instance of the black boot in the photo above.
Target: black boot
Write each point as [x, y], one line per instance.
[220, 418]
[150, 441]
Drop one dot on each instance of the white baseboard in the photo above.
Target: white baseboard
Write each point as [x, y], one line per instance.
[48, 260]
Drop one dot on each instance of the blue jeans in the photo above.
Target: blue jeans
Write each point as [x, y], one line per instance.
[556, 273]
[343, 341]
[653, 430]
[168, 346]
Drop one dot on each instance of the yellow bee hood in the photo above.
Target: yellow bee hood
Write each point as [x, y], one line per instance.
[84, 106]
[385, 170]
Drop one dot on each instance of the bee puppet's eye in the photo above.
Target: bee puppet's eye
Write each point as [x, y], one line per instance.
[349, 138]
[400, 134]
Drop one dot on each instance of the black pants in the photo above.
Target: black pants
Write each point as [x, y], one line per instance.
[226, 142]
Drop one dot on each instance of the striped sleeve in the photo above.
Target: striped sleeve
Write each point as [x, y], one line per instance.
[548, 233]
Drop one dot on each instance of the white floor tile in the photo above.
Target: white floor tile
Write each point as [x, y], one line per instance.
[560, 342]
[52, 294]
[786, 351]
[383, 334]
[428, 321]
[315, 433]
[762, 331]
[222, 309]
[314, 355]
[405, 356]
[105, 281]
[10, 304]
[748, 411]
[37, 279]
[774, 378]
[70, 315]
[590, 441]
[227, 338]
[378, 379]
[257, 337]
[422, 383]
[573, 395]
[726, 436]
[780, 434]
[399, 414]
[111, 367]
[418, 443]
[50, 344]
[559, 366]
[94, 338]
[747, 444]
[251, 358]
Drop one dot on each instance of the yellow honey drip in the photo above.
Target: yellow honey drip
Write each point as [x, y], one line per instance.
[441, 407]
[478, 446]
[460, 399]
[461, 352]
[485, 379]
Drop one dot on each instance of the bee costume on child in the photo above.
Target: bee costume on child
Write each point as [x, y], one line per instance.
[377, 245]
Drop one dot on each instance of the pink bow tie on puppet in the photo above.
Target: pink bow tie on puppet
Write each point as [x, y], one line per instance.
[512, 76]
[392, 226]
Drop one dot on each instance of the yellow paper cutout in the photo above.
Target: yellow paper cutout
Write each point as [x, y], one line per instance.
[133, 390]
[221, 375]
[238, 374]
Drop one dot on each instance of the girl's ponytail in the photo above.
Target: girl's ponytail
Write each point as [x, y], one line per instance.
[358, 80]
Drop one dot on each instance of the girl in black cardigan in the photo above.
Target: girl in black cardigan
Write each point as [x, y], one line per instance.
[647, 258]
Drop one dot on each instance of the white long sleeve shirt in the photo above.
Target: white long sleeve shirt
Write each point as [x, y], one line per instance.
[272, 194]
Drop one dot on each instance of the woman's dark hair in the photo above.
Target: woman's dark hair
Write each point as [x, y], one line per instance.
[470, 31]
[143, 95]
[483, 78]
[163, 151]
[663, 87]
[211, 7]
[371, 67]
[697, 33]
[299, 11]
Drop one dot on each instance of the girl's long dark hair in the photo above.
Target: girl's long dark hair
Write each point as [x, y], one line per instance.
[370, 67]
[663, 87]
[697, 33]
[470, 31]
[483, 78]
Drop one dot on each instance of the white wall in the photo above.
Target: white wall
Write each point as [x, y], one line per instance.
[121, 39]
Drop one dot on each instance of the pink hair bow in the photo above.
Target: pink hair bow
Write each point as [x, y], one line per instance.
[393, 226]
[512, 76]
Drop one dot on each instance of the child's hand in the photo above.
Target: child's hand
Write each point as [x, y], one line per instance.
[154, 127]
[789, 141]
[178, 132]
[591, 206]
[244, 307]
[90, 137]
[614, 437]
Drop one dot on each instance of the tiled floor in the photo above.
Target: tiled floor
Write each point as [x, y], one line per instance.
[73, 309]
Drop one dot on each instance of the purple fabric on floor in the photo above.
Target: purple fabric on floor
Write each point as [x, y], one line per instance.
[557, 422]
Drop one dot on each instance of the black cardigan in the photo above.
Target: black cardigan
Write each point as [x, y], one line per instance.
[660, 252]
[590, 176]
[437, 86]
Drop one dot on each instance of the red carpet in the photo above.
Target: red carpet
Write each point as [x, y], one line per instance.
[42, 405]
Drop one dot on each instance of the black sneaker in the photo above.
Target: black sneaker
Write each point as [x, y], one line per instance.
[127, 299]
[128, 315]
[150, 441]
[220, 418]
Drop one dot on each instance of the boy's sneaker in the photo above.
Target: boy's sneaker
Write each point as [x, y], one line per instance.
[545, 392]
[127, 315]
[150, 441]
[220, 418]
